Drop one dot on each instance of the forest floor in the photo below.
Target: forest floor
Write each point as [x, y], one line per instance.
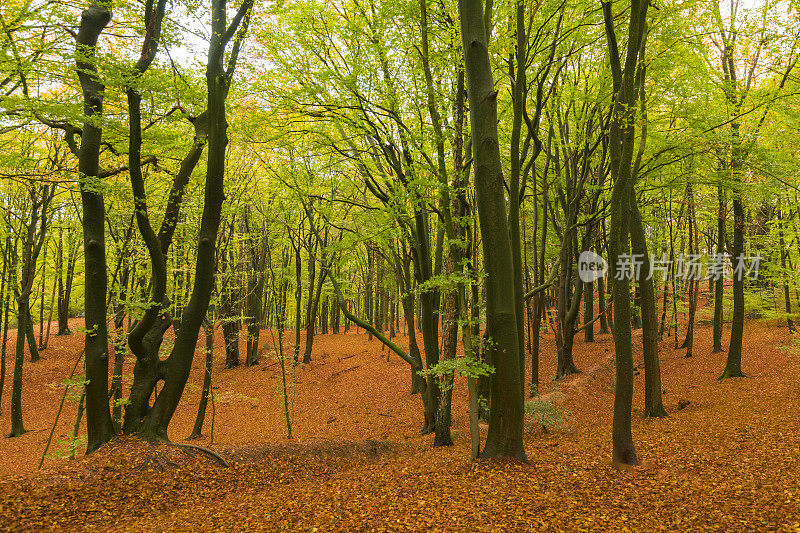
[727, 458]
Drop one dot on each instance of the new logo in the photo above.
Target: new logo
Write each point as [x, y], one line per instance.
[591, 266]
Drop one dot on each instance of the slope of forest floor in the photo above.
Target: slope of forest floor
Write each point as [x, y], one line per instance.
[725, 459]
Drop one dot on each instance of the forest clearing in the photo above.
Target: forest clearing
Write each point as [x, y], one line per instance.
[377, 265]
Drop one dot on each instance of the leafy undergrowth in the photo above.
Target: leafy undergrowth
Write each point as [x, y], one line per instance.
[726, 459]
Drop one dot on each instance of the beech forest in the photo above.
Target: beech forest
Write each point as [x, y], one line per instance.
[400, 265]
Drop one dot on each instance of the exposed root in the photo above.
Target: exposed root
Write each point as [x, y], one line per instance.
[212, 453]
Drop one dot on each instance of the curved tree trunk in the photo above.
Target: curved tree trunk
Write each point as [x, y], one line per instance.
[174, 371]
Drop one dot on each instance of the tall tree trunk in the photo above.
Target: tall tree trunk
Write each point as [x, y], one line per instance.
[664, 302]
[32, 241]
[119, 348]
[369, 284]
[733, 364]
[324, 319]
[601, 304]
[17, 427]
[310, 311]
[653, 404]
[518, 96]
[99, 425]
[540, 276]
[428, 318]
[42, 290]
[449, 344]
[719, 281]
[621, 148]
[298, 296]
[314, 292]
[65, 290]
[403, 273]
[229, 309]
[43, 345]
[33, 349]
[694, 284]
[603, 289]
[568, 308]
[506, 415]
[787, 300]
[255, 295]
[10, 274]
[588, 312]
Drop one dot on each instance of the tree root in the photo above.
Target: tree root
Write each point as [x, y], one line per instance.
[212, 453]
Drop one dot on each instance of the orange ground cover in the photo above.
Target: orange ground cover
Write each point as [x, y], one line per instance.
[726, 460]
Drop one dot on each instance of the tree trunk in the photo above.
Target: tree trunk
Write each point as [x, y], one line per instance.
[368, 285]
[428, 318]
[42, 290]
[119, 348]
[621, 148]
[99, 425]
[298, 297]
[255, 295]
[718, 282]
[44, 344]
[787, 300]
[197, 431]
[32, 347]
[10, 274]
[568, 307]
[733, 364]
[450, 318]
[32, 241]
[653, 404]
[694, 284]
[175, 369]
[506, 415]
[601, 304]
[403, 273]
[588, 312]
[314, 292]
[17, 427]
[65, 290]
[518, 97]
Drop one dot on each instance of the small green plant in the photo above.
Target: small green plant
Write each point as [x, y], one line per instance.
[483, 407]
[66, 447]
[793, 347]
[75, 387]
[122, 402]
[469, 367]
[548, 414]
